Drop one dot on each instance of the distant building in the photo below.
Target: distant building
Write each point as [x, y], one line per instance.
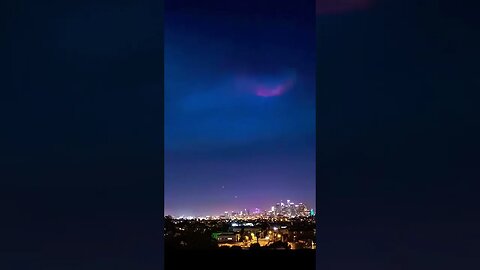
[226, 237]
[278, 208]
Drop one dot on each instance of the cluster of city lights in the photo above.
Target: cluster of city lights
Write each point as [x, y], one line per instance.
[280, 210]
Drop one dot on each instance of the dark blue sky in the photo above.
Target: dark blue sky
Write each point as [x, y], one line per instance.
[239, 106]
[397, 112]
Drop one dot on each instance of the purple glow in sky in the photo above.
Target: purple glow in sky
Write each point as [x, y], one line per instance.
[267, 86]
[265, 91]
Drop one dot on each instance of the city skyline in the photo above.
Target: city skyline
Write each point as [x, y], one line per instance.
[239, 211]
[239, 106]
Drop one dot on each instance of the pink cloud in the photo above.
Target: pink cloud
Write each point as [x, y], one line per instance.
[264, 91]
[266, 86]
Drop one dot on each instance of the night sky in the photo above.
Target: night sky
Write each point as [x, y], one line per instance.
[82, 126]
[239, 106]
